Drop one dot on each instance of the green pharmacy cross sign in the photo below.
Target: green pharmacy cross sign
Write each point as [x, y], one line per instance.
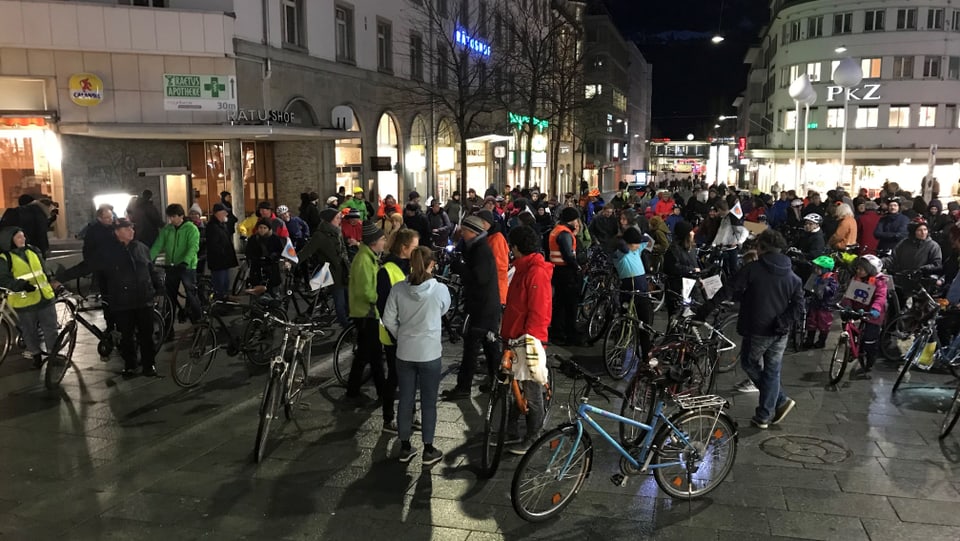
[214, 87]
[520, 120]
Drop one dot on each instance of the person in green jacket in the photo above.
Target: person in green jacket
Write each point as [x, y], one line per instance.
[362, 300]
[357, 202]
[179, 241]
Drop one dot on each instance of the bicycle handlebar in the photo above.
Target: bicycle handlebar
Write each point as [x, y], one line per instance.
[575, 371]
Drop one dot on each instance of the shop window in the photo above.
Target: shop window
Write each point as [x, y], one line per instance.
[25, 166]
[928, 116]
[907, 19]
[867, 116]
[873, 20]
[259, 182]
[899, 116]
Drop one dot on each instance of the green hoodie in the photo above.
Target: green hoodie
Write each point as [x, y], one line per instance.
[362, 288]
[179, 244]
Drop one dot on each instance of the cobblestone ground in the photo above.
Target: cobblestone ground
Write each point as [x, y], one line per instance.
[108, 458]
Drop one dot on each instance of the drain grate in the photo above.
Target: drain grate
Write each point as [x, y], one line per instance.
[805, 449]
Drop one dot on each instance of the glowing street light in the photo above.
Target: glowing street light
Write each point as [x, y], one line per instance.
[717, 39]
[841, 49]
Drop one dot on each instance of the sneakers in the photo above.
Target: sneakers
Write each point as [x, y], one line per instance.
[520, 448]
[390, 427]
[746, 386]
[150, 371]
[406, 455]
[28, 355]
[432, 456]
[762, 425]
[783, 410]
[455, 394]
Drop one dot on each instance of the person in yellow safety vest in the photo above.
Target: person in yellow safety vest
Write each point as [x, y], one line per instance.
[395, 269]
[23, 272]
[566, 277]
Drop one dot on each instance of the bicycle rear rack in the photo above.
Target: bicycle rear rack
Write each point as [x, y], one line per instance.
[698, 402]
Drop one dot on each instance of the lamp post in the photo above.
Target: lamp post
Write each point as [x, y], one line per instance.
[808, 101]
[800, 90]
[847, 75]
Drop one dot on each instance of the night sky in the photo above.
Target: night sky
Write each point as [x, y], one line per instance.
[694, 81]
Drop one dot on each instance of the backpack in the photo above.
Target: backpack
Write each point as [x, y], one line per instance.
[11, 217]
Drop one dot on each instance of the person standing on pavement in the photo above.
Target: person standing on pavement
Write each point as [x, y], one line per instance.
[309, 212]
[528, 312]
[226, 199]
[328, 245]
[440, 226]
[99, 236]
[23, 271]
[148, 220]
[481, 292]
[562, 243]
[264, 250]
[414, 219]
[413, 314]
[892, 226]
[297, 228]
[221, 257]
[501, 252]
[362, 300]
[179, 241]
[133, 285]
[770, 296]
[454, 209]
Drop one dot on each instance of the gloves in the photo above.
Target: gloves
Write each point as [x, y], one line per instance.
[27, 286]
[874, 314]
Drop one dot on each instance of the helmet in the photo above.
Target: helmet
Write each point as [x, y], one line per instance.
[871, 264]
[357, 189]
[813, 217]
[824, 261]
[282, 209]
[332, 199]
[796, 203]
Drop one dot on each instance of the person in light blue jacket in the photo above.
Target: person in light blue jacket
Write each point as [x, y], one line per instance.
[412, 316]
[629, 265]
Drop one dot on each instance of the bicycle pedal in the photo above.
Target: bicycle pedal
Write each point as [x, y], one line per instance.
[619, 480]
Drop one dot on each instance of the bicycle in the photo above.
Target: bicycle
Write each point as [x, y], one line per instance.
[505, 391]
[289, 370]
[690, 452]
[848, 345]
[952, 415]
[9, 326]
[621, 345]
[901, 329]
[920, 356]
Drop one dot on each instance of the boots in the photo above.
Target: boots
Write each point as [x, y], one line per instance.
[808, 342]
[822, 341]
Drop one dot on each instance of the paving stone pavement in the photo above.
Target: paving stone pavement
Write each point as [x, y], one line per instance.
[108, 458]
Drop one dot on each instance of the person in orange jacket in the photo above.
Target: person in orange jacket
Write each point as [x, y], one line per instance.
[498, 245]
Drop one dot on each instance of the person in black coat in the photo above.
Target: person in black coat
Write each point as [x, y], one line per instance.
[263, 252]
[414, 219]
[226, 199]
[309, 211]
[679, 262]
[35, 222]
[133, 285]
[811, 242]
[221, 257]
[481, 294]
[147, 219]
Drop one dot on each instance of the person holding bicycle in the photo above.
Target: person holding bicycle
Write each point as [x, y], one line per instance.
[869, 270]
[629, 265]
[528, 312]
[680, 262]
[179, 240]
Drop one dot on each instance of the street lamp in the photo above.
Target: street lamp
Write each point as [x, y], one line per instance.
[800, 90]
[808, 101]
[847, 75]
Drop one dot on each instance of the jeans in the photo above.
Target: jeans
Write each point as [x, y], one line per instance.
[471, 342]
[566, 298]
[389, 391]
[220, 280]
[368, 352]
[762, 360]
[533, 392]
[136, 329]
[188, 277]
[339, 294]
[34, 321]
[426, 376]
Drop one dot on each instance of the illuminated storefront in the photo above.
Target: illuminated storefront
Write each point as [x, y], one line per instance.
[517, 152]
[416, 162]
[210, 173]
[446, 160]
[349, 158]
[388, 182]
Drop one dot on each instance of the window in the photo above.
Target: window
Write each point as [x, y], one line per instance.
[619, 100]
[443, 66]
[928, 116]
[498, 30]
[790, 119]
[815, 27]
[899, 116]
[931, 66]
[907, 19]
[951, 120]
[590, 91]
[784, 77]
[843, 23]
[144, 3]
[384, 46]
[813, 71]
[903, 67]
[935, 19]
[416, 57]
[794, 73]
[835, 117]
[794, 29]
[344, 20]
[482, 18]
[464, 15]
[871, 67]
[953, 68]
[867, 116]
[873, 22]
[442, 8]
[956, 20]
[293, 23]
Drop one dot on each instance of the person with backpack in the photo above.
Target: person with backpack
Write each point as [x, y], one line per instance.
[23, 271]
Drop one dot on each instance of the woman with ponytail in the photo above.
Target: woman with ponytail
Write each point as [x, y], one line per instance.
[413, 315]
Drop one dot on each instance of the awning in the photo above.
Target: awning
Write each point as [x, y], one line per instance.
[214, 132]
[490, 138]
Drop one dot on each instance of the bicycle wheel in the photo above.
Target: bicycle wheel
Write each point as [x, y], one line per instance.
[838, 363]
[800, 332]
[259, 337]
[658, 294]
[953, 413]
[898, 335]
[240, 280]
[599, 320]
[164, 305]
[159, 331]
[551, 473]
[703, 461]
[548, 391]
[494, 427]
[268, 410]
[6, 339]
[188, 370]
[727, 360]
[913, 355]
[344, 354]
[294, 390]
[620, 347]
[59, 359]
[637, 405]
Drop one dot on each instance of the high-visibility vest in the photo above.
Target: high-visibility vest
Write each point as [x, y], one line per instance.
[30, 270]
[395, 274]
[555, 256]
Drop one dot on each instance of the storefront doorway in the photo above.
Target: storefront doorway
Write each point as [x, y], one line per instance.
[211, 174]
[388, 182]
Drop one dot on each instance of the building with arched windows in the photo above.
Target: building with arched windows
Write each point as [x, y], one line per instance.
[906, 108]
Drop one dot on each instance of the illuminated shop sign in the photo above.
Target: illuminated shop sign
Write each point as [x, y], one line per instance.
[478, 46]
[861, 93]
[520, 120]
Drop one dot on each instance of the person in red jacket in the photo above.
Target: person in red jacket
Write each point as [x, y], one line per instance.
[528, 311]
[664, 205]
[866, 224]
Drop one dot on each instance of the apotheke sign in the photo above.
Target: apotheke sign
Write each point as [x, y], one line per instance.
[861, 93]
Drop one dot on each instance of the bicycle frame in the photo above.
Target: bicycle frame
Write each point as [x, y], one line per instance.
[852, 332]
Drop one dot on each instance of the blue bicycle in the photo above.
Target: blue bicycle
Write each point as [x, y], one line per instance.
[690, 452]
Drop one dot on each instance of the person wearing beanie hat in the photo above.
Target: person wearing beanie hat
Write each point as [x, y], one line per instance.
[309, 211]
[195, 215]
[481, 295]
[221, 257]
[263, 252]
[562, 252]
[362, 301]
[264, 211]
[630, 269]
[679, 262]
[414, 219]
[326, 245]
[917, 253]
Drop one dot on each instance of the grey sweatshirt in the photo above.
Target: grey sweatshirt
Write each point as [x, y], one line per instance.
[413, 315]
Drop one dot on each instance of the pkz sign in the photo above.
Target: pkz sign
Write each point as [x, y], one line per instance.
[462, 37]
[861, 93]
